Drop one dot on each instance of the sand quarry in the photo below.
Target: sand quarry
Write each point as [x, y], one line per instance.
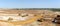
[47, 15]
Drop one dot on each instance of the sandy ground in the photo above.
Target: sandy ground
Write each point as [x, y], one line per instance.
[41, 24]
[5, 24]
[45, 23]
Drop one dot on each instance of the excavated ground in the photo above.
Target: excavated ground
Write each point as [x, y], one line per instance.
[46, 14]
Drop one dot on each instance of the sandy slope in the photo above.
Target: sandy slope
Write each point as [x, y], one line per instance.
[16, 12]
[5, 24]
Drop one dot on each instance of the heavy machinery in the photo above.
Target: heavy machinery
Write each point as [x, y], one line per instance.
[57, 19]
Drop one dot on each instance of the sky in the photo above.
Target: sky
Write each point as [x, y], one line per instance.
[29, 3]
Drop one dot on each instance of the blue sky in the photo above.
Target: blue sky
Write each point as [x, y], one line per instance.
[29, 3]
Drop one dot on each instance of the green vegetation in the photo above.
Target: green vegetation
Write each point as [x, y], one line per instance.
[53, 9]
